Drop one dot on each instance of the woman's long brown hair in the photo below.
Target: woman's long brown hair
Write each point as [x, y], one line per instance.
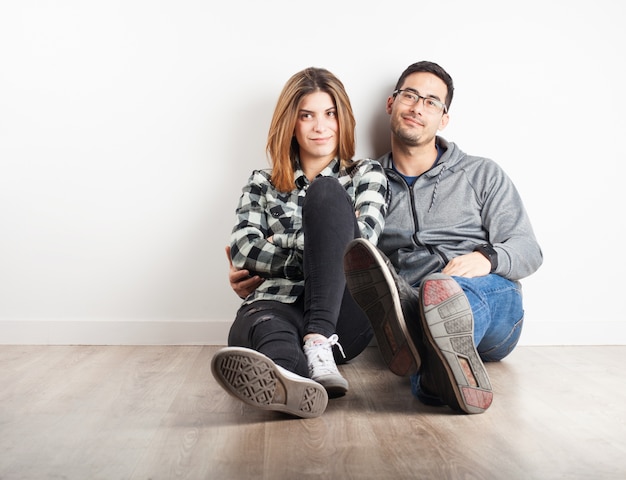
[282, 147]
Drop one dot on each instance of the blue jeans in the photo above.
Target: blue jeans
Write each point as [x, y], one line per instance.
[498, 317]
[498, 314]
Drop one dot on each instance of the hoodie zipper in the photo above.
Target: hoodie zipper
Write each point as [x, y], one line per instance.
[432, 250]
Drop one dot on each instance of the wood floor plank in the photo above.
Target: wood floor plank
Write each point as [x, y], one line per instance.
[155, 412]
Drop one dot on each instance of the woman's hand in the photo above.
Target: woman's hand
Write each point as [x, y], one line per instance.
[240, 280]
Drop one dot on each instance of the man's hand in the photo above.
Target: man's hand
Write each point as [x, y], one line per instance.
[240, 280]
[470, 265]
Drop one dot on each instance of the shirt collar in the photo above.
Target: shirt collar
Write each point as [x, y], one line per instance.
[331, 170]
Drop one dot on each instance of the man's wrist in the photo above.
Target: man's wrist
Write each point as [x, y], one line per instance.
[489, 253]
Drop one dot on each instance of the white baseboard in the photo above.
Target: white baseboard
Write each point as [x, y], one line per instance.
[114, 332]
[215, 332]
[592, 332]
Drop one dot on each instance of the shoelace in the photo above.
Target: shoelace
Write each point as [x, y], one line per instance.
[323, 354]
[334, 340]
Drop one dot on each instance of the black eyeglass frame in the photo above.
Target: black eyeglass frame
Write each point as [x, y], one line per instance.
[442, 105]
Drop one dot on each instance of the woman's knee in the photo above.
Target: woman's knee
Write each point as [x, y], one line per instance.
[325, 191]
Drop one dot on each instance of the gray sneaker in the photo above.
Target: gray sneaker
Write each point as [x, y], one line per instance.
[452, 368]
[390, 303]
[322, 366]
[256, 380]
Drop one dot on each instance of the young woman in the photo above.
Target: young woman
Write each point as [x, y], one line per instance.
[293, 224]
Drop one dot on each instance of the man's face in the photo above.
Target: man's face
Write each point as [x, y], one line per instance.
[417, 125]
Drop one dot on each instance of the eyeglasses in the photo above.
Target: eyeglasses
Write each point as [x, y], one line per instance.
[409, 97]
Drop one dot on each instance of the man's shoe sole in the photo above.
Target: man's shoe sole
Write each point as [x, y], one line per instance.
[448, 326]
[373, 288]
[256, 380]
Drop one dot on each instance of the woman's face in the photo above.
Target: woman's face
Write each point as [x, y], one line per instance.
[317, 129]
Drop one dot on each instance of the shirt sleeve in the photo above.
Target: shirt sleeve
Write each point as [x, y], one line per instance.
[370, 199]
[250, 248]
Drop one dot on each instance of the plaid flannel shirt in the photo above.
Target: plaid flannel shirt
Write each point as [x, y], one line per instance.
[264, 212]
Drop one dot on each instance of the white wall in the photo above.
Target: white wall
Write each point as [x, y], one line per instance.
[127, 129]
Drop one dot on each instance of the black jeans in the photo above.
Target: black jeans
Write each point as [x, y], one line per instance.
[276, 329]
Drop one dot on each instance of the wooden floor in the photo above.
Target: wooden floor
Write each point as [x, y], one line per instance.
[121, 412]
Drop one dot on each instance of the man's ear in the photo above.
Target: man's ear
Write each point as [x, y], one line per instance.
[389, 104]
[445, 118]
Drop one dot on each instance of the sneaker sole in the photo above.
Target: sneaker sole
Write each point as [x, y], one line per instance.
[373, 288]
[335, 385]
[448, 325]
[256, 380]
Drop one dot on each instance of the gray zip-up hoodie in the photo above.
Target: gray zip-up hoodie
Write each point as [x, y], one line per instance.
[461, 202]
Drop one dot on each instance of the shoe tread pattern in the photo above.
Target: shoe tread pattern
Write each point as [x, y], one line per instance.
[449, 320]
[371, 291]
[254, 380]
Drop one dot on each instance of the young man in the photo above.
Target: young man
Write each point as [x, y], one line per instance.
[442, 289]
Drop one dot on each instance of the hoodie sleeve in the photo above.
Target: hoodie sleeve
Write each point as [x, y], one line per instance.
[508, 226]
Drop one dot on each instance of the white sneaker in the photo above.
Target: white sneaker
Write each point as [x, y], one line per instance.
[256, 380]
[322, 366]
